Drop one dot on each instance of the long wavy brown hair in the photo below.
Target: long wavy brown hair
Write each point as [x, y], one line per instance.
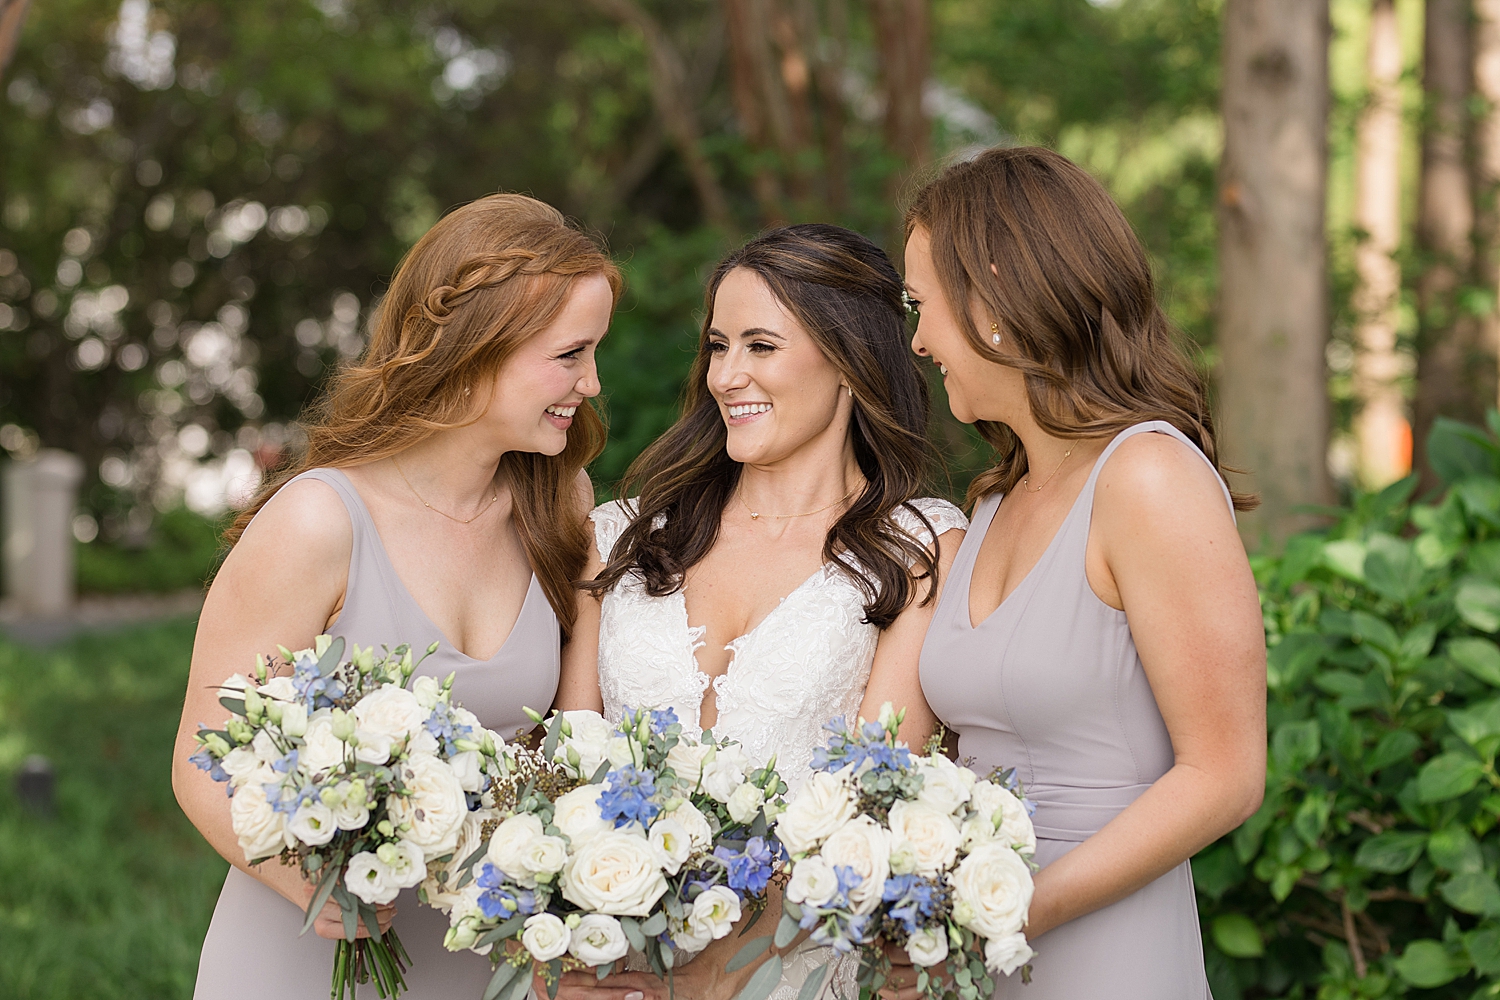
[1039, 247]
[485, 279]
[843, 290]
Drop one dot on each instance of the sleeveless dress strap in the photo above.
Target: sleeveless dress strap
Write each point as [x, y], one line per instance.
[1159, 427]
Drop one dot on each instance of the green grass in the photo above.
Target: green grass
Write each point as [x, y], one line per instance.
[111, 897]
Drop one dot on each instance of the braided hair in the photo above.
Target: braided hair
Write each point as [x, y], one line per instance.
[481, 282]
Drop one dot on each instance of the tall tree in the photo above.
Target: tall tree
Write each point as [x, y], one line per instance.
[1273, 294]
[902, 35]
[1455, 377]
[1486, 53]
[12, 16]
[1380, 427]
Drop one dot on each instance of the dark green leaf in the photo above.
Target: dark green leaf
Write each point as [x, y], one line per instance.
[1396, 745]
[1476, 723]
[1455, 850]
[1427, 964]
[1216, 870]
[748, 954]
[1483, 946]
[1448, 776]
[1391, 852]
[1474, 892]
[1480, 657]
[1392, 568]
[1478, 604]
[1237, 936]
[1457, 451]
[1295, 745]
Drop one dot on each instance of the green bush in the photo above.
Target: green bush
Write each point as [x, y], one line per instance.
[183, 550]
[1370, 870]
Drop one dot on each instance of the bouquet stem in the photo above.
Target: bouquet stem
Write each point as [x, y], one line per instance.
[354, 961]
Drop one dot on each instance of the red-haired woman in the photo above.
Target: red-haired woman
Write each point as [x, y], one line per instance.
[1100, 631]
[442, 498]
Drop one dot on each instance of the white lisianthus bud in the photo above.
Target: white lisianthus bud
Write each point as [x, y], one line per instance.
[903, 859]
[598, 940]
[313, 823]
[294, 719]
[466, 768]
[887, 716]
[589, 741]
[427, 691]
[371, 879]
[545, 936]
[1007, 954]
[928, 946]
[744, 803]
[344, 724]
[812, 882]
[462, 935]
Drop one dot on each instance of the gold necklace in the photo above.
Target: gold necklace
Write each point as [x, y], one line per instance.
[493, 498]
[1026, 482]
[755, 514]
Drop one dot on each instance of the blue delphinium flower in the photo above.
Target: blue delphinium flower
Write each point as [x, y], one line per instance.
[915, 900]
[662, 718]
[445, 730]
[627, 797]
[496, 901]
[852, 749]
[313, 689]
[208, 762]
[751, 869]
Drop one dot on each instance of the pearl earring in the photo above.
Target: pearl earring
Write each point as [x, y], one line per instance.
[995, 334]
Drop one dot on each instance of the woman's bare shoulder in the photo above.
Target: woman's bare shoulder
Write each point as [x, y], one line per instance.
[305, 521]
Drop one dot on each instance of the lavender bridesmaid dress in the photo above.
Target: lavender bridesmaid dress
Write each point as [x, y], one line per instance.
[253, 949]
[1051, 684]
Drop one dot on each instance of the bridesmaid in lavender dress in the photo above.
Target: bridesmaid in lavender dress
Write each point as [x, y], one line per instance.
[1101, 631]
[442, 499]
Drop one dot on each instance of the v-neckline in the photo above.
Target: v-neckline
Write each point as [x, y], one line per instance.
[411, 598]
[1030, 573]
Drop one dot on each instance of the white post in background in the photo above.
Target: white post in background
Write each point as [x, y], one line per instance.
[40, 495]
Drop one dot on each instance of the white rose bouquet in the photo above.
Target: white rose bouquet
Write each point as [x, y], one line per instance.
[890, 847]
[363, 783]
[611, 837]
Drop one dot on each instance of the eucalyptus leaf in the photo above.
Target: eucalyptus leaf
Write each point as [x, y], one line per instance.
[320, 897]
[747, 954]
[504, 973]
[329, 661]
[633, 933]
[786, 929]
[654, 924]
[765, 980]
[813, 983]
[235, 705]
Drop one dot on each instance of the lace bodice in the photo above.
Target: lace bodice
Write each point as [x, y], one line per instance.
[804, 663]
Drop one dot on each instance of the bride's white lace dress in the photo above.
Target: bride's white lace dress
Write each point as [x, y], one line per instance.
[803, 664]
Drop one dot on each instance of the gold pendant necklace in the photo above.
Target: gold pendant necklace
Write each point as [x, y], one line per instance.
[1026, 482]
[495, 496]
[755, 515]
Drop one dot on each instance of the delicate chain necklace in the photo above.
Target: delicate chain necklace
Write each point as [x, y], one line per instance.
[493, 498]
[755, 514]
[1026, 483]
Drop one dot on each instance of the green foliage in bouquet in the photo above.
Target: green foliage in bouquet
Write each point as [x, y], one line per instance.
[1370, 870]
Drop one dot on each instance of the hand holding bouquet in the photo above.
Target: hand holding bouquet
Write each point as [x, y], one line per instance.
[887, 846]
[609, 837]
[341, 770]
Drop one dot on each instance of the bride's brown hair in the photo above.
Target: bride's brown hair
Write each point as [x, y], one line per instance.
[1039, 247]
[844, 292]
[485, 279]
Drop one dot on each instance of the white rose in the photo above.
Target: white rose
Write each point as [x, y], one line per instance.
[545, 936]
[464, 717]
[928, 946]
[864, 846]
[427, 691]
[423, 742]
[239, 764]
[945, 785]
[321, 750]
[928, 832]
[695, 824]
[590, 737]
[313, 823]
[813, 882]
[353, 811]
[261, 830]
[822, 805]
[279, 688]
[723, 774]
[992, 891]
[744, 803]
[405, 862]
[620, 751]
[371, 879]
[576, 814]
[614, 873]
[598, 940]
[1006, 814]
[392, 712]
[434, 807]
[686, 761]
[523, 851]
[673, 844]
[714, 913]
[466, 769]
[371, 747]
[265, 748]
[1007, 954]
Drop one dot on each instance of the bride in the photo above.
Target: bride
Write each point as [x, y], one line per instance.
[778, 566]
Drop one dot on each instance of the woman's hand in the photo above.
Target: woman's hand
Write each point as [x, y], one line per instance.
[330, 922]
[901, 982]
[615, 986]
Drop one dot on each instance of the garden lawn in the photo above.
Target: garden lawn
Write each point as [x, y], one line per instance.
[109, 899]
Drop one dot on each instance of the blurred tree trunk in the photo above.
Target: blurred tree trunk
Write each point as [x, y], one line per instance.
[12, 16]
[902, 38]
[1453, 377]
[828, 71]
[1486, 54]
[1273, 293]
[1380, 427]
[673, 100]
[753, 88]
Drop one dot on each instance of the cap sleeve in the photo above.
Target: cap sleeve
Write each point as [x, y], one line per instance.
[941, 514]
[610, 520]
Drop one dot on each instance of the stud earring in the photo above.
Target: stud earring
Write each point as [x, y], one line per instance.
[995, 334]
